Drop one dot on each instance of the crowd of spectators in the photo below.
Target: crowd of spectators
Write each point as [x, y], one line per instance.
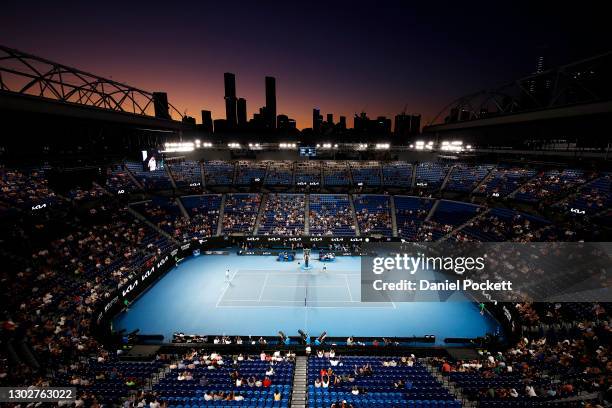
[240, 212]
[283, 214]
[331, 215]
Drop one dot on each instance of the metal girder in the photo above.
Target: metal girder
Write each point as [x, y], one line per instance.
[26, 74]
[581, 82]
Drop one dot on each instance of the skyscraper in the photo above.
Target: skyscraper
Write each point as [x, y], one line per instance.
[270, 102]
[207, 122]
[230, 99]
[317, 120]
[342, 123]
[242, 112]
[330, 119]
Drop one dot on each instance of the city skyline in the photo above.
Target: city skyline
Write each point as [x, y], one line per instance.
[340, 59]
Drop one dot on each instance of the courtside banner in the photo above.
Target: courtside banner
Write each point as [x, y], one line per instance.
[486, 272]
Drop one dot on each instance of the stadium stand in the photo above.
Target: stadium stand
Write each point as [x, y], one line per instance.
[280, 173]
[373, 381]
[410, 212]
[430, 175]
[248, 172]
[503, 181]
[26, 189]
[204, 213]
[307, 173]
[366, 173]
[218, 172]
[464, 177]
[336, 174]
[283, 214]
[591, 199]
[501, 224]
[240, 213]
[373, 214]
[550, 184]
[397, 174]
[187, 174]
[118, 180]
[150, 180]
[330, 214]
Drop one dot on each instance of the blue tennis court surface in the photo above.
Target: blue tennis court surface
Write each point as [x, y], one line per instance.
[266, 296]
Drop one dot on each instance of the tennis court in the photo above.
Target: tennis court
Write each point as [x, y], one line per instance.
[266, 296]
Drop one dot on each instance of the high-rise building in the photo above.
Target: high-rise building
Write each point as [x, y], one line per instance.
[230, 100]
[207, 122]
[383, 125]
[317, 120]
[342, 123]
[330, 119]
[270, 102]
[402, 125]
[284, 122]
[242, 112]
[415, 124]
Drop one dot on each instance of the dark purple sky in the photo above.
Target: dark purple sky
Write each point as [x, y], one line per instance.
[340, 57]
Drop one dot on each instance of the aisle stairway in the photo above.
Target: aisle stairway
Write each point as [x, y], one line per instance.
[298, 399]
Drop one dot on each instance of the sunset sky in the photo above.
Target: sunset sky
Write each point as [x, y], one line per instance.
[342, 58]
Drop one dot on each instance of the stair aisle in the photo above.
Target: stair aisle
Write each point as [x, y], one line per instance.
[300, 386]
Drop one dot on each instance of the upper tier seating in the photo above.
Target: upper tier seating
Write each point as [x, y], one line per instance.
[307, 173]
[187, 174]
[283, 215]
[150, 180]
[331, 215]
[118, 180]
[336, 174]
[464, 177]
[218, 172]
[373, 214]
[249, 171]
[366, 173]
[430, 175]
[397, 174]
[280, 173]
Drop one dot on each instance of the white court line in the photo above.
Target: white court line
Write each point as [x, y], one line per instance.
[348, 287]
[226, 288]
[309, 307]
[263, 287]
